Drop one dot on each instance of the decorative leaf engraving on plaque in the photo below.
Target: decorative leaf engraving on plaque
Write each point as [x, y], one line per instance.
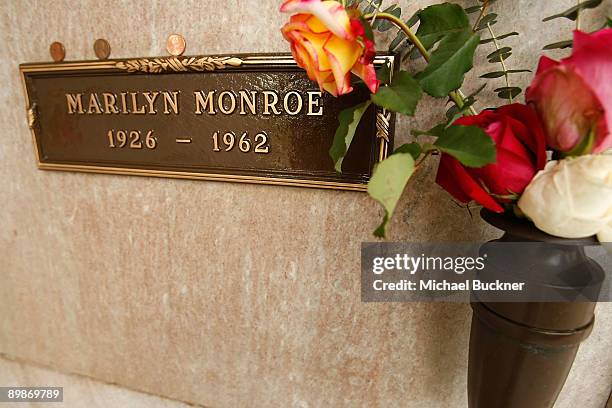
[32, 116]
[383, 117]
[160, 65]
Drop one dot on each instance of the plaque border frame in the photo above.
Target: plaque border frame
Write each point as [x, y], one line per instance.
[160, 65]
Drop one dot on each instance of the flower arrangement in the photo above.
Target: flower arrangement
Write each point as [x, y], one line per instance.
[498, 158]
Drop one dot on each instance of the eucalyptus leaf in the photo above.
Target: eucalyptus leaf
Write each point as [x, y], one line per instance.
[488, 19]
[499, 74]
[500, 57]
[572, 13]
[449, 63]
[452, 113]
[468, 144]
[402, 95]
[497, 53]
[508, 92]
[411, 22]
[401, 36]
[559, 45]
[415, 54]
[500, 37]
[349, 120]
[388, 182]
[473, 9]
[374, 5]
[397, 41]
[384, 25]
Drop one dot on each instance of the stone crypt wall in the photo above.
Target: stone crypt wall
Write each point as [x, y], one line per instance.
[220, 294]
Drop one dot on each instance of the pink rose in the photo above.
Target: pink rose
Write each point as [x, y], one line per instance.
[574, 96]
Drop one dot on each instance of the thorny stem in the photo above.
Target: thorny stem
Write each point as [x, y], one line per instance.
[501, 61]
[454, 95]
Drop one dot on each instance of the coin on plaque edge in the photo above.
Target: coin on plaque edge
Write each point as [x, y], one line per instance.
[57, 51]
[176, 44]
[102, 48]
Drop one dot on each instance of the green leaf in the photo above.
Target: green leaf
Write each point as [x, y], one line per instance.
[440, 20]
[501, 37]
[499, 74]
[449, 63]
[388, 182]
[349, 120]
[608, 22]
[434, 131]
[384, 73]
[468, 144]
[559, 45]
[413, 148]
[402, 95]
[572, 13]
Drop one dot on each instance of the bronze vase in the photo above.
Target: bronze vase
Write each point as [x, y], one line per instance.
[521, 353]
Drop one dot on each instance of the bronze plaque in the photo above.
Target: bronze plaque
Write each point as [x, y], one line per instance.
[243, 118]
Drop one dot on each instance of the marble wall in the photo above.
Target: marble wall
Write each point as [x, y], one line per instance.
[220, 294]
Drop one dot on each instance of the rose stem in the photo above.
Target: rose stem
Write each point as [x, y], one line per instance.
[457, 99]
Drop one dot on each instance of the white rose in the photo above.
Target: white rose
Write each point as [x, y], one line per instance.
[572, 198]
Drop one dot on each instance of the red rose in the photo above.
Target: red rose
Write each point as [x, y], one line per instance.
[520, 143]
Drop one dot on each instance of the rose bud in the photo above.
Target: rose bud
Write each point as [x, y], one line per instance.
[520, 147]
[574, 97]
[329, 44]
[572, 198]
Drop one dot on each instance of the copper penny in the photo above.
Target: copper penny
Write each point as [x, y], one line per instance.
[102, 48]
[57, 51]
[175, 44]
